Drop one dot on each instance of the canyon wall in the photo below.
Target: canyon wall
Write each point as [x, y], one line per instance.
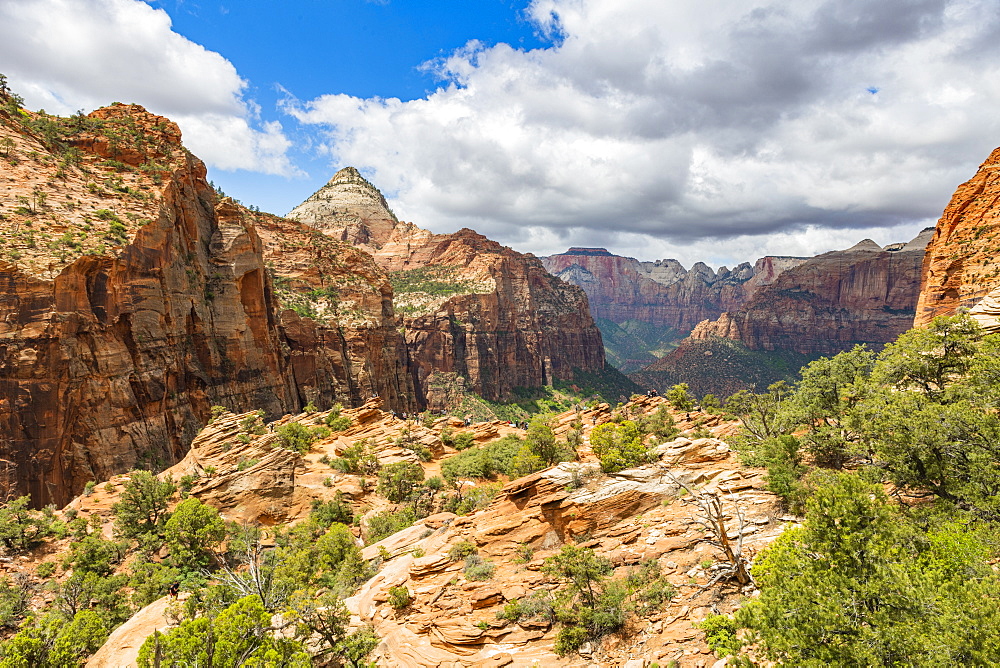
[866, 294]
[645, 308]
[662, 292]
[470, 306]
[135, 298]
[961, 266]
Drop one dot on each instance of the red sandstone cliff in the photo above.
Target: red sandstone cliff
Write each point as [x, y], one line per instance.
[865, 294]
[470, 306]
[961, 267]
[662, 293]
[134, 300]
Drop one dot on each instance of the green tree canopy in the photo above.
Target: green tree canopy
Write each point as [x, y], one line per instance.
[142, 505]
[397, 481]
[618, 446]
[860, 585]
[191, 532]
[241, 635]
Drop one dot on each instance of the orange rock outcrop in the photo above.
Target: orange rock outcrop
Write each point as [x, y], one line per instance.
[470, 306]
[961, 266]
[629, 517]
[135, 298]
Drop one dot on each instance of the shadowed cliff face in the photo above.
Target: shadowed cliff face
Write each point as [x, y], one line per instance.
[831, 302]
[134, 300]
[469, 305]
[344, 341]
[961, 266]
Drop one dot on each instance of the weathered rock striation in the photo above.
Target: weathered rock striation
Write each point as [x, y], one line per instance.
[337, 318]
[865, 294]
[961, 265]
[629, 517]
[470, 306]
[662, 292]
[135, 298]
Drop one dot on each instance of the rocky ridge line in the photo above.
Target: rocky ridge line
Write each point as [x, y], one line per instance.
[136, 298]
[630, 517]
[865, 294]
[470, 306]
[662, 292]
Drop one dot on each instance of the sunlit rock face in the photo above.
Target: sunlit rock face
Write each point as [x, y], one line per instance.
[962, 265]
[469, 305]
[136, 298]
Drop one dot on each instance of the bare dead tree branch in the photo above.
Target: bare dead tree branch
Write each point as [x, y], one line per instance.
[712, 518]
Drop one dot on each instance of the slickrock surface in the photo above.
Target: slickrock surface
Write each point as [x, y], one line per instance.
[470, 306]
[135, 298]
[630, 517]
[350, 209]
[829, 303]
[961, 266]
[662, 293]
[121, 649]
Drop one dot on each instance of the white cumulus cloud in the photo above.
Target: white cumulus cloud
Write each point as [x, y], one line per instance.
[718, 128]
[65, 55]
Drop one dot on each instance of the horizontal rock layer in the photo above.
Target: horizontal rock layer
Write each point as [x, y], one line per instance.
[662, 292]
[829, 303]
[112, 359]
[472, 306]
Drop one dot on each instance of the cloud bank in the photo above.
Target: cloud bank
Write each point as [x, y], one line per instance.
[65, 55]
[722, 130]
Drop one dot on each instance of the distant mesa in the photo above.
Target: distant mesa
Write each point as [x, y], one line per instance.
[645, 308]
[866, 294]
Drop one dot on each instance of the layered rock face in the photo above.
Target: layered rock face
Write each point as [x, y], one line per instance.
[135, 299]
[961, 266]
[350, 209]
[470, 306]
[629, 517]
[337, 318]
[645, 308]
[662, 292]
[866, 294]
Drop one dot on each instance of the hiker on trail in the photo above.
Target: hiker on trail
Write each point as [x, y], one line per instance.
[174, 589]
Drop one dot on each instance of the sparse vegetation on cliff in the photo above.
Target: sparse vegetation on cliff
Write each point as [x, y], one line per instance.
[419, 291]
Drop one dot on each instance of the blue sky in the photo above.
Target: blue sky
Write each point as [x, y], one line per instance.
[362, 48]
[716, 131]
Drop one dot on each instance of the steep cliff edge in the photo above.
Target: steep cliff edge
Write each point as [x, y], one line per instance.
[827, 304]
[961, 266]
[135, 299]
[470, 306]
[662, 292]
[644, 308]
[865, 294]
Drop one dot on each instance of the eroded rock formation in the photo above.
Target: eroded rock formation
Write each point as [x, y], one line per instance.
[629, 517]
[470, 306]
[662, 292]
[135, 298]
[961, 266]
[866, 294]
